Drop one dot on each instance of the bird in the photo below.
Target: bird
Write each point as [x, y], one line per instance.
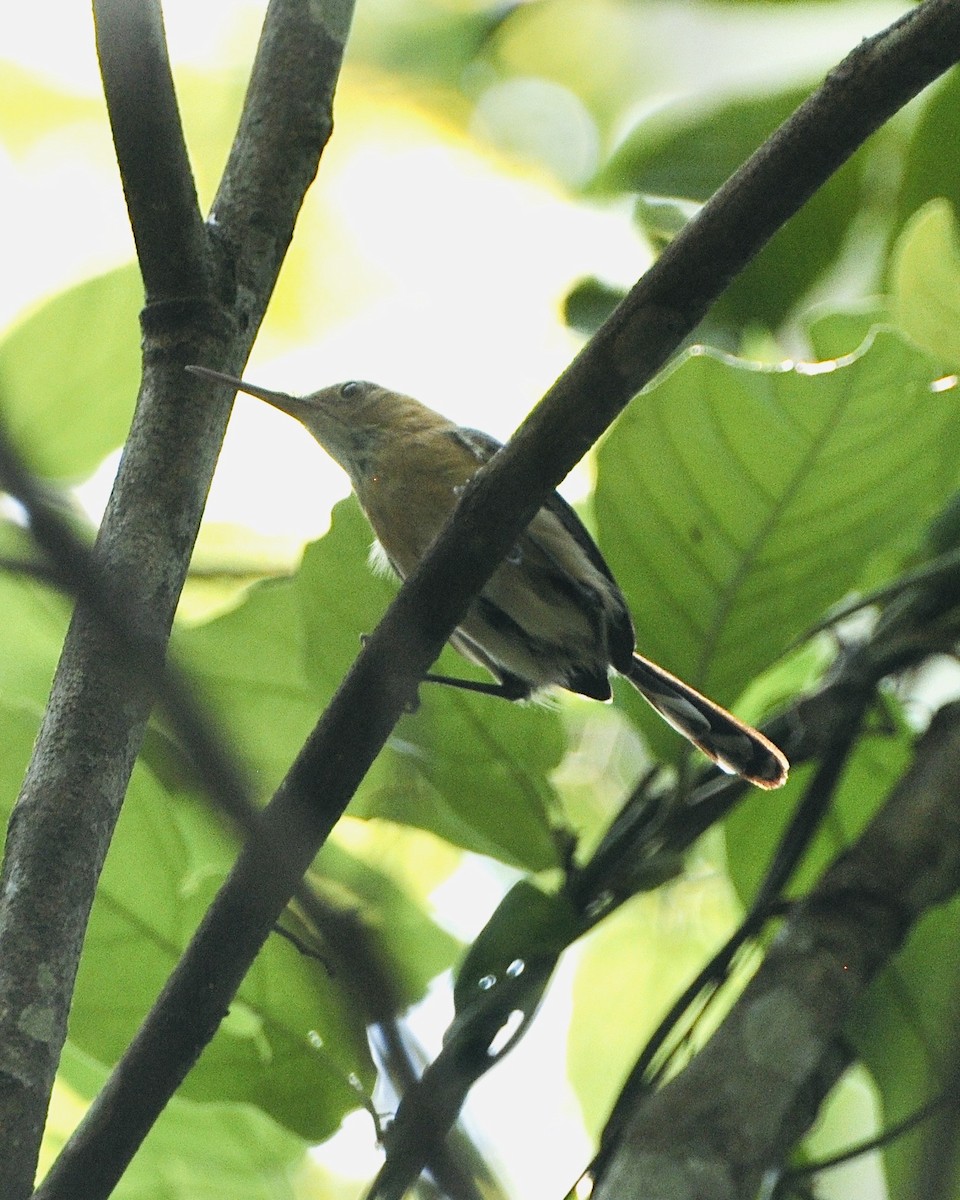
[551, 615]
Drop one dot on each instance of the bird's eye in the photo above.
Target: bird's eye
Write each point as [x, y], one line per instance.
[350, 391]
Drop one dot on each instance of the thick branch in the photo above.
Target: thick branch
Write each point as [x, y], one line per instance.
[878, 78]
[93, 726]
[749, 1095]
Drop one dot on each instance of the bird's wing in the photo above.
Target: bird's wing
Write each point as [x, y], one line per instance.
[481, 445]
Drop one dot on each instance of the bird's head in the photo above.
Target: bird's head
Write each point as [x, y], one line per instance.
[352, 421]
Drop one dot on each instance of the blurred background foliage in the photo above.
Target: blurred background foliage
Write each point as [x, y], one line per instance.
[498, 176]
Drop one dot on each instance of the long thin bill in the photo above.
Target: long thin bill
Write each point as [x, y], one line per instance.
[292, 405]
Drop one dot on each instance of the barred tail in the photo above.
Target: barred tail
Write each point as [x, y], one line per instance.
[733, 746]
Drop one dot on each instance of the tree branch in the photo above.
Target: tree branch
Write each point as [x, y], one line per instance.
[94, 722]
[154, 168]
[781, 1048]
[286, 121]
[878, 78]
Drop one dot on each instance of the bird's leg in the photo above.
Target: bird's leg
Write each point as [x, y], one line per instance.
[507, 689]
[510, 688]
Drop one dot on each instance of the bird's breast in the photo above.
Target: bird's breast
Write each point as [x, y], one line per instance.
[408, 503]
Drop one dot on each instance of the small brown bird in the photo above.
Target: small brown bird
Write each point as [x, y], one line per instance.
[551, 614]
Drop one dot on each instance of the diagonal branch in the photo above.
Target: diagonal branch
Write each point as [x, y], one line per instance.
[877, 79]
[93, 726]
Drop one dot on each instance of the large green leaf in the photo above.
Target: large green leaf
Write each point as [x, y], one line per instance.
[688, 150]
[735, 503]
[929, 168]
[472, 769]
[475, 771]
[195, 1151]
[168, 857]
[69, 374]
[295, 1035]
[925, 282]
[905, 1032]
[32, 630]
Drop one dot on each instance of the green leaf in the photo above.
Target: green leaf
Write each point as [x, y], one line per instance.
[295, 1035]
[31, 633]
[929, 169]
[662, 217]
[735, 503]
[341, 598]
[292, 1038]
[925, 282]
[472, 769]
[528, 931]
[69, 375]
[836, 334]
[588, 304]
[688, 149]
[197, 1151]
[753, 830]
[905, 1031]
